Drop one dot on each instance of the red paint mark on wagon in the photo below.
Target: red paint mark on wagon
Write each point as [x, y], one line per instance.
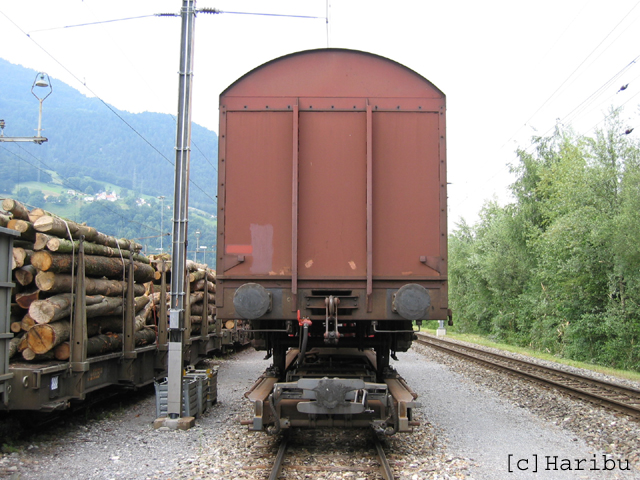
[239, 249]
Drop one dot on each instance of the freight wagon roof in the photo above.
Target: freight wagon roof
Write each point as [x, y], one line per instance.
[332, 72]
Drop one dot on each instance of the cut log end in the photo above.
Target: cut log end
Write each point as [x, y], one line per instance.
[42, 338]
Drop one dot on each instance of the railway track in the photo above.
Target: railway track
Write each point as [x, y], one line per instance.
[346, 460]
[617, 397]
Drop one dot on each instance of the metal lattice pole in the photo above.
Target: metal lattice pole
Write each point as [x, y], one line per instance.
[180, 213]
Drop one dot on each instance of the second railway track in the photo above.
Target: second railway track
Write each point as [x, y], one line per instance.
[610, 395]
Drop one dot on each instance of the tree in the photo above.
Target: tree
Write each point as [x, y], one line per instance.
[36, 198]
[22, 194]
[559, 269]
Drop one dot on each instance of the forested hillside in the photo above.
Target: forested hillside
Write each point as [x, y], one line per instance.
[94, 148]
[559, 268]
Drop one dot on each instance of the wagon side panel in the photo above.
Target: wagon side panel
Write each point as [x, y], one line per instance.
[257, 203]
[332, 209]
[406, 194]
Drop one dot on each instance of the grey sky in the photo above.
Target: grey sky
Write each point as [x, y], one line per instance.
[509, 69]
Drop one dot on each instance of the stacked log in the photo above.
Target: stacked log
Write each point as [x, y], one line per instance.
[201, 282]
[44, 259]
[201, 286]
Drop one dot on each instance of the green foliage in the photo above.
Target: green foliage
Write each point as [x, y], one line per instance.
[489, 270]
[9, 448]
[86, 185]
[559, 269]
[13, 172]
[23, 194]
[36, 198]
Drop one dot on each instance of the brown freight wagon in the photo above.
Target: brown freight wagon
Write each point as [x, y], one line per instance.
[332, 204]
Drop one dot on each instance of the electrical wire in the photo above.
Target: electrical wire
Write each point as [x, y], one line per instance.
[608, 116]
[143, 78]
[566, 81]
[607, 100]
[89, 24]
[582, 63]
[578, 108]
[216, 11]
[89, 89]
[531, 147]
[150, 87]
[205, 10]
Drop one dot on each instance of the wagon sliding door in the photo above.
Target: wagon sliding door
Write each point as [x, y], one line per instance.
[258, 193]
[407, 195]
[332, 195]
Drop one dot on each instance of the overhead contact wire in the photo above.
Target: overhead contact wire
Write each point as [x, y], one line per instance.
[502, 169]
[583, 62]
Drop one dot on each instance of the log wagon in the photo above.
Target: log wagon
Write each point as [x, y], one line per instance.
[86, 320]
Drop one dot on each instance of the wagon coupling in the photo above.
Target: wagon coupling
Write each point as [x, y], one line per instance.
[331, 336]
[315, 396]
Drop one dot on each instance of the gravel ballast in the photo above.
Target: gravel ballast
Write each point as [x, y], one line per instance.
[472, 419]
[496, 420]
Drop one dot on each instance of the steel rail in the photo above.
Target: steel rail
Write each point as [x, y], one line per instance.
[385, 467]
[614, 396]
[277, 464]
[386, 471]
